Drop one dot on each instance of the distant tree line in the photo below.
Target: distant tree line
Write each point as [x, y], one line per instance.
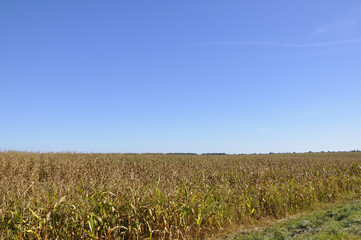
[181, 153]
[189, 153]
[213, 154]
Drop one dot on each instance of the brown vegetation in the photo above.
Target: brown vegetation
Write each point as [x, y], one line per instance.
[107, 196]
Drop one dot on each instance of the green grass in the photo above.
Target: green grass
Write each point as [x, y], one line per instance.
[343, 222]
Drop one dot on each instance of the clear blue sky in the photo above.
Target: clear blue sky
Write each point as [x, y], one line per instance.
[180, 76]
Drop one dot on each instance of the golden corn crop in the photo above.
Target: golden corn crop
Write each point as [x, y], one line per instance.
[145, 196]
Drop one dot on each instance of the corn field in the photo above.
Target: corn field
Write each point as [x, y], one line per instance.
[157, 196]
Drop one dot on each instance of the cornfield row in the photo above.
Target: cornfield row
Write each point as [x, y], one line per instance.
[129, 196]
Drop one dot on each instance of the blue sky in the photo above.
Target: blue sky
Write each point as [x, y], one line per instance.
[180, 76]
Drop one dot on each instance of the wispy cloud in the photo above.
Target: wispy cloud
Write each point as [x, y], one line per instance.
[341, 27]
[292, 45]
[344, 27]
